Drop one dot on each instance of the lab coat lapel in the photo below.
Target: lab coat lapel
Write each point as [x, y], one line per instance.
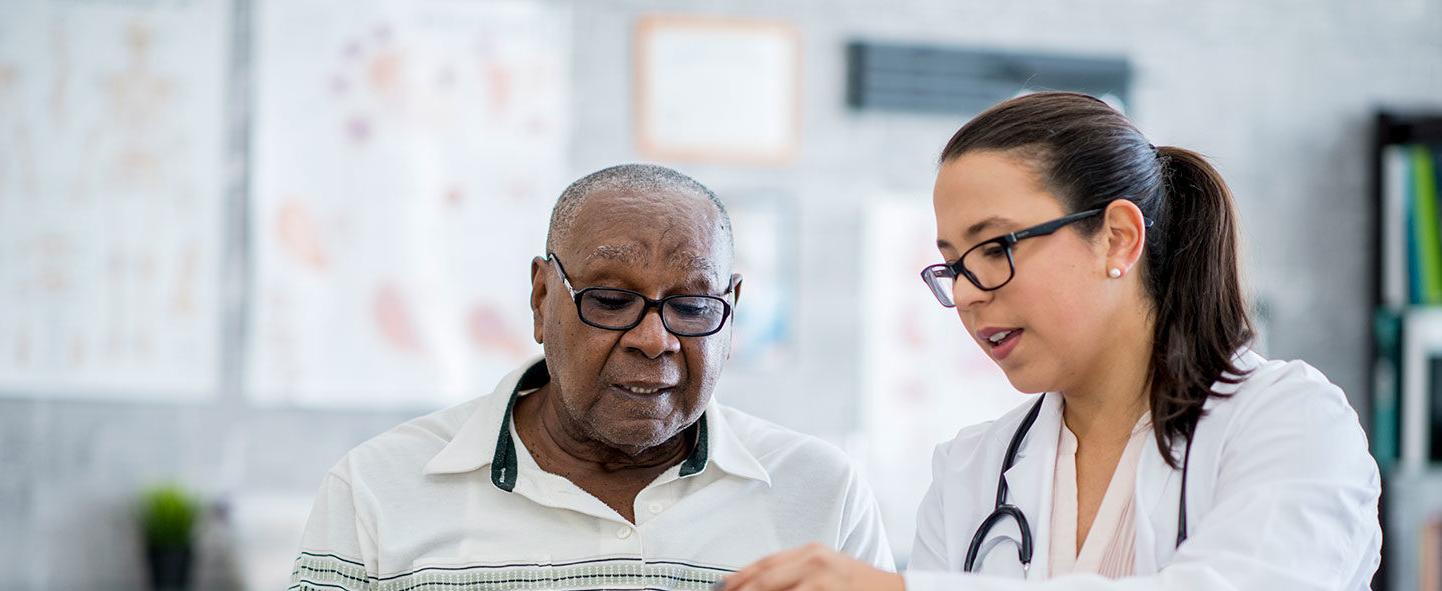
[1030, 479]
[1153, 477]
[1157, 491]
[1159, 487]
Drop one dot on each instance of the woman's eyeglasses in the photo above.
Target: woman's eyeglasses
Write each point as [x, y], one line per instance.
[989, 265]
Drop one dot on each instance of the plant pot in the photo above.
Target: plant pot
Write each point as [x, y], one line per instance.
[169, 567]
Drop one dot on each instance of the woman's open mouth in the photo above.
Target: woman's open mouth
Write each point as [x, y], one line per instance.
[1000, 341]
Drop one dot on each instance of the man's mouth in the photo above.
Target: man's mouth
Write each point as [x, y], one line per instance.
[645, 389]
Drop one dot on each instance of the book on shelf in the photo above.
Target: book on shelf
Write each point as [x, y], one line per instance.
[1394, 222]
[1411, 225]
[1386, 386]
[1429, 247]
[1428, 253]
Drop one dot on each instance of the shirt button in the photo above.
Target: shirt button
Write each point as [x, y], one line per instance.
[655, 508]
[624, 532]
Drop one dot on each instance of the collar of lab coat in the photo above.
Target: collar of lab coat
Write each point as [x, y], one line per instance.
[1029, 480]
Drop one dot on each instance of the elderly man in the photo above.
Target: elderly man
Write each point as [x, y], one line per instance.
[607, 464]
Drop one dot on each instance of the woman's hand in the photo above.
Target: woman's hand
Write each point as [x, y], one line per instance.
[812, 567]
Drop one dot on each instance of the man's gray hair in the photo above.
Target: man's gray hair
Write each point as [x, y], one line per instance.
[637, 179]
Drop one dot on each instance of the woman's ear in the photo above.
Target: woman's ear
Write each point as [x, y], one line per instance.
[1124, 233]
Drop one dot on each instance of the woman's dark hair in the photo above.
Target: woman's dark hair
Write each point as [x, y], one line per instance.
[1089, 155]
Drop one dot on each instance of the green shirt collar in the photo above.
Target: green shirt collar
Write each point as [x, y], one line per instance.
[504, 464]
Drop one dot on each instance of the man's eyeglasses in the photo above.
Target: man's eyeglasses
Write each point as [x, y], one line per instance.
[989, 264]
[683, 315]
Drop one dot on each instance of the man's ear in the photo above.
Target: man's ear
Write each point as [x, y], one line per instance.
[731, 324]
[735, 291]
[538, 297]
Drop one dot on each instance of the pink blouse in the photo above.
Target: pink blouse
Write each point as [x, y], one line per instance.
[1110, 547]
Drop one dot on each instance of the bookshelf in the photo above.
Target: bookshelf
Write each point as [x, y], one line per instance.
[1406, 348]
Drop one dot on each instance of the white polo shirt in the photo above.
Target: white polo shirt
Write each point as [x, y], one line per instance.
[453, 501]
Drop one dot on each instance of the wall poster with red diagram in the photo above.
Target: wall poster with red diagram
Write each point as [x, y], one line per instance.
[405, 159]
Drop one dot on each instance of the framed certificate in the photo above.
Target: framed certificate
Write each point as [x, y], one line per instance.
[717, 90]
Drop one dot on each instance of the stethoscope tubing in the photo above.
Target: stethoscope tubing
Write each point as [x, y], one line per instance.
[1002, 510]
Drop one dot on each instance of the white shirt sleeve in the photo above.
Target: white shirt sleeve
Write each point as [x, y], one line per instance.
[1295, 508]
[864, 537]
[337, 550]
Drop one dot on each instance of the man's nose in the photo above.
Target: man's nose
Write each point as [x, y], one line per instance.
[650, 337]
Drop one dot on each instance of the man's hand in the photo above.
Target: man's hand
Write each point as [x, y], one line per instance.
[812, 567]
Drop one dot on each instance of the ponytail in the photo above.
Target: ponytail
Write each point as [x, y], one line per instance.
[1201, 315]
[1089, 155]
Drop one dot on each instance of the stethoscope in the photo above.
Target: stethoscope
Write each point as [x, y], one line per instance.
[1004, 509]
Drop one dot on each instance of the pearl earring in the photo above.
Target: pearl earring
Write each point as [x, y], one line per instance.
[1114, 273]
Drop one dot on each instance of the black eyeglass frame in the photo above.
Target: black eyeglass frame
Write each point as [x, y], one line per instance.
[1006, 241]
[648, 304]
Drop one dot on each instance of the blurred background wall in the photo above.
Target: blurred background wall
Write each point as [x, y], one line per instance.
[1281, 96]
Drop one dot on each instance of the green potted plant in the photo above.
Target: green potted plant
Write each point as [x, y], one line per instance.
[167, 517]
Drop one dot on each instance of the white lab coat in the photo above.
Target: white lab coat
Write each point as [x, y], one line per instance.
[1282, 495]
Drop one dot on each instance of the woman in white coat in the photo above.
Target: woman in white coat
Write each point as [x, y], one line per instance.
[1101, 271]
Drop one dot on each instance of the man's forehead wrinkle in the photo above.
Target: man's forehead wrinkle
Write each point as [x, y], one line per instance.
[688, 260]
[614, 252]
[692, 261]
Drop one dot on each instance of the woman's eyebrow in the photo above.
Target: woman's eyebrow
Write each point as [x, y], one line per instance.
[995, 221]
[983, 225]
